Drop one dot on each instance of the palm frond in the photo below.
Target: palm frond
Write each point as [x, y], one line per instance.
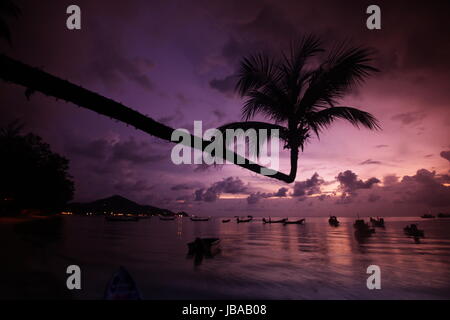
[302, 49]
[255, 72]
[293, 64]
[345, 68]
[268, 103]
[12, 129]
[259, 80]
[320, 120]
[256, 125]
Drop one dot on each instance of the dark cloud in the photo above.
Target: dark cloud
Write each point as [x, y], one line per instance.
[269, 23]
[267, 31]
[390, 180]
[349, 183]
[132, 186]
[345, 199]
[185, 198]
[379, 146]
[219, 114]
[445, 155]
[173, 119]
[103, 166]
[186, 186]
[425, 187]
[208, 195]
[182, 98]
[256, 196]
[370, 161]
[424, 57]
[113, 65]
[309, 186]
[282, 192]
[229, 185]
[225, 85]
[131, 150]
[373, 197]
[322, 197]
[234, 50]
[96, 149]
[443, 178]
[136, 152]
[198, 194]
[253, 198]
[408, 118]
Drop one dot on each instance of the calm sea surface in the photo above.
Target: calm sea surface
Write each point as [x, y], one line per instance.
[257, 261]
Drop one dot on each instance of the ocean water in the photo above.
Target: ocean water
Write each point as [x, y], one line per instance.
[257, 261]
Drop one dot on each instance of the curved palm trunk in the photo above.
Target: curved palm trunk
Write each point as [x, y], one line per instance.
[294, 160]
[37, 80]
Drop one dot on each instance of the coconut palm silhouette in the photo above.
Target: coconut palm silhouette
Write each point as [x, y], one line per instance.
[301, 100]
[285, 91]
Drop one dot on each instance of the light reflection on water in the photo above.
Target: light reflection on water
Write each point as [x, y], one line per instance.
[311, 261]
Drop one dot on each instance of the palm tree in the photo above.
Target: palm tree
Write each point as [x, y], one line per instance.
[13, 129]
[300, 100]
[7, 10]
[285, 91]
[37, 80]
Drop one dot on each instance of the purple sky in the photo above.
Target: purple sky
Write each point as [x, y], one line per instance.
[172, 60]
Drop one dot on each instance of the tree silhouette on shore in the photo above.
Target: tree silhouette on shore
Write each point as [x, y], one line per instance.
[33, 177]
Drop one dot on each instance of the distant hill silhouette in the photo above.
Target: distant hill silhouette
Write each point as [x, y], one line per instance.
[116, 204]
